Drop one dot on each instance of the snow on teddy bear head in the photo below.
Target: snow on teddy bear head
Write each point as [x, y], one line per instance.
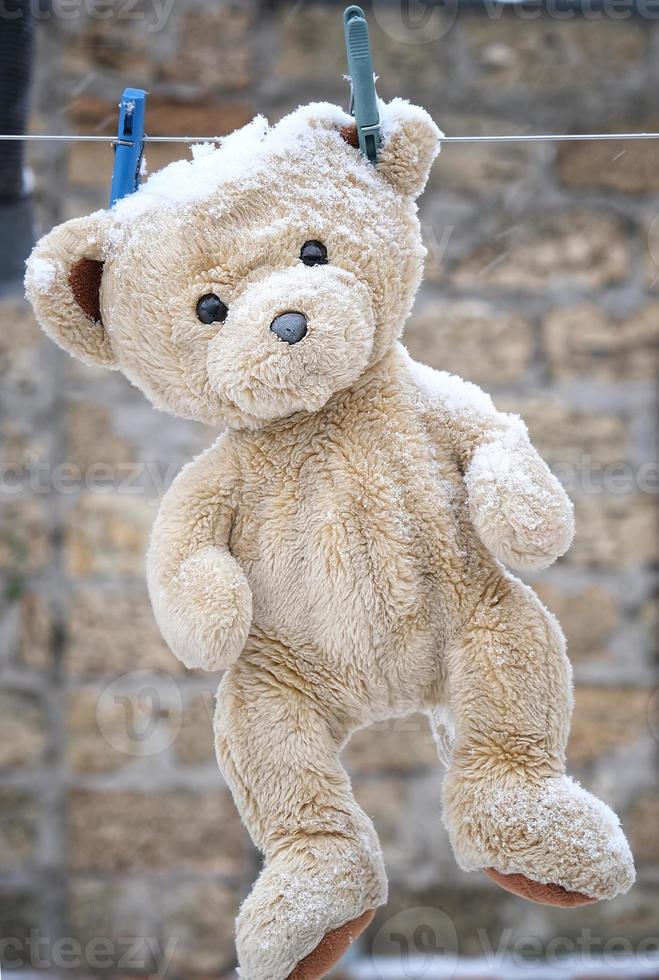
[255, 279]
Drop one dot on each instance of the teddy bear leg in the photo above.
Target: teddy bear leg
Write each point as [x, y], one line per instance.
[323, 874]
[508, 805]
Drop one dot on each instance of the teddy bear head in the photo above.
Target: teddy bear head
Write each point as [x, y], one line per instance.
[256, 279]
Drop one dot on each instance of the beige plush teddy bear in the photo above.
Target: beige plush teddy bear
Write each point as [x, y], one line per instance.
[341, 549]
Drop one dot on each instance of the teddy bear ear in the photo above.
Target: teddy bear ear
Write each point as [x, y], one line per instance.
[410, 143]
[63, 283]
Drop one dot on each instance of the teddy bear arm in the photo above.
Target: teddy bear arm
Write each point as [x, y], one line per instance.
[518, 507]
[200, 595]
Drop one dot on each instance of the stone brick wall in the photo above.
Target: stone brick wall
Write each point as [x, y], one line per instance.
[542, 286]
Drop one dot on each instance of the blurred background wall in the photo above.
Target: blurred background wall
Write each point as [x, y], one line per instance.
[116, 831]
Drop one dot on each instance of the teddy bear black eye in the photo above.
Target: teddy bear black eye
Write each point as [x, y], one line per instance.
[313, 253]
[211, 309]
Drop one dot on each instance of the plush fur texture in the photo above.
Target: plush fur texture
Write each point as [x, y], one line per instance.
[340, 550]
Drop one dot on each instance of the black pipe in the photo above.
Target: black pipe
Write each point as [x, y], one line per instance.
[16, 51]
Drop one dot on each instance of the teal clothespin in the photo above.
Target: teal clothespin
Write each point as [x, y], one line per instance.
[363, 100]
[129, 148]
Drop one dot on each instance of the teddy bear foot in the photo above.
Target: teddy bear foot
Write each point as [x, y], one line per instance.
[320, 961]
[535, 891]
[549, 841]
[309, 903]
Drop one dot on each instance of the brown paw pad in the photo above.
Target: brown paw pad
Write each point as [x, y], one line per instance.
[328, 952]
[534, 891]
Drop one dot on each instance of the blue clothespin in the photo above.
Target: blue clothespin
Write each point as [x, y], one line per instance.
[363, 100]
[129, 148]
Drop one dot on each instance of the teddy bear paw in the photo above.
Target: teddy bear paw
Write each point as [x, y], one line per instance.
[519, 509]
[205, 611]
[551, 842]
[305, 909]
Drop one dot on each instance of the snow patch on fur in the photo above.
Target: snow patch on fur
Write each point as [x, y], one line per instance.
[248, 153]
[555, 832]
[42, 273]
[237, 158]
[455, 394]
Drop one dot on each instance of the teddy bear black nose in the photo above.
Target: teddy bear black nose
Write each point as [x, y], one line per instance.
[290, 327]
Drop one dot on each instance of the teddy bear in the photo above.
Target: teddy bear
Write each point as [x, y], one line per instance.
[342, 551]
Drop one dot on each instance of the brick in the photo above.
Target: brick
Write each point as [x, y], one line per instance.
[626, 167]
[24, 538]
[401, 53]
[87, 165]
[87, 162]
[567, 436]
[583, 341]
[108, 535]
[167, 116]
[201, 915]
[18, 826]
[174, 924]
[136, 716]
[92, 439]
[20, 445]
[87, 748]
[19, 915]
[589, 615]
[406, 813]
[194, 743]
[643, 826]
[20, 338]
[119, 43]
[605, 719]
[112, 631]
[443, 915]
[480, 168]
[311, 52]
[23, 730]
[113, 920]
[311, 45]
[614, 531]
[511, 54]
[213, 48]
[36, 634]
[397, 746]
[476, 340]
[576, 249]
[178, 829]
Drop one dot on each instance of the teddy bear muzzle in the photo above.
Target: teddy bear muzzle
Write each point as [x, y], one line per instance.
[290, 341]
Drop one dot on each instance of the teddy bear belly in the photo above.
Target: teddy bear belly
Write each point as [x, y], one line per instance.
[376, 584]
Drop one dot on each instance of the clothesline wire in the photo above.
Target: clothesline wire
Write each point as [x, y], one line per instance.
[533, 138]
